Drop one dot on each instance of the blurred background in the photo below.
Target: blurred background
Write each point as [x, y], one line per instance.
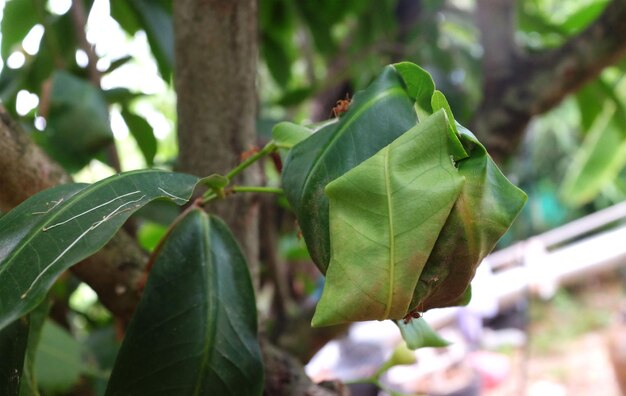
[539, 81]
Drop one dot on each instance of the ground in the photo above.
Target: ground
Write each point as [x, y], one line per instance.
[569, 353]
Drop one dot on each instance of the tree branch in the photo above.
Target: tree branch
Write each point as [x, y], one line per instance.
[534, 83]
[25, 169]
[284, 376]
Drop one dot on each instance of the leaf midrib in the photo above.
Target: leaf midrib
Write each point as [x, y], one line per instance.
[392, 242]
[211, 282]
[342, 131]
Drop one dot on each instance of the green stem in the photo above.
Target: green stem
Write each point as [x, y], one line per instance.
[213, 194]
[208, 197]
[257, 189]
[270, 147]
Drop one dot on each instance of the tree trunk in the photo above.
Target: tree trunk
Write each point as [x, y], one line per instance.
[215, 73]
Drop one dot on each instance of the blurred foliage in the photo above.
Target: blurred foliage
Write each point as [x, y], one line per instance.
[571, 162]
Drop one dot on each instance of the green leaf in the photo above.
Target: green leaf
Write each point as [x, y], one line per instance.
[584, 16]
[215, 181]
[157, 23]
[484, 211]
[78, 123]
[58, 44]
[37, 318]
[288, 134]
[117, 63]
[124, 13]
[156, 20]
[150, 234]
[278, 57]
[58, 227]
[58, 364]
[376, 117]
[295, 96]
[195, 329]
[13, 341]
[120, 95]
[381, 232]
[457, 150]
[598, 161]
[19, 17]
[418, 334]
[420, 85]
[143, 134]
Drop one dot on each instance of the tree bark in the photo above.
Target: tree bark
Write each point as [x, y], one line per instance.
[517, 86]
[25, 170]
[215, 73]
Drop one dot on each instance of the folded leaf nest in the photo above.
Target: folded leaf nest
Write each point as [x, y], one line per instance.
[398, 204]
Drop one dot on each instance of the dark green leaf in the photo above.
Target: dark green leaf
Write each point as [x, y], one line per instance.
[120, 95]
[19, 17]
[381, 234]
[195, 329]
[295, 96]
[37, 319]
[13, 341]
[157, 23]
[278, 59]
[58, 46]
[58, 227]
[155, 19]
[11, 81]
[118, 62]
[126, 15]
[161, 212]
[58, 364]
[376, 117]
[143, 134]
[78, 122]
[418, 334]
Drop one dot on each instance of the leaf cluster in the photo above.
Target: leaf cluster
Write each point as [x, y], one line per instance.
[398, 205]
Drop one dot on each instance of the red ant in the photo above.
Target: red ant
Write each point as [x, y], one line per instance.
[411, 315]
[342, 106]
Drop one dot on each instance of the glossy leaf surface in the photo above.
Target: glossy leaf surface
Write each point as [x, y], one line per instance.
[385, 217]
[58, 227]
[376, 117]
[195, 329]
[13, 341]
